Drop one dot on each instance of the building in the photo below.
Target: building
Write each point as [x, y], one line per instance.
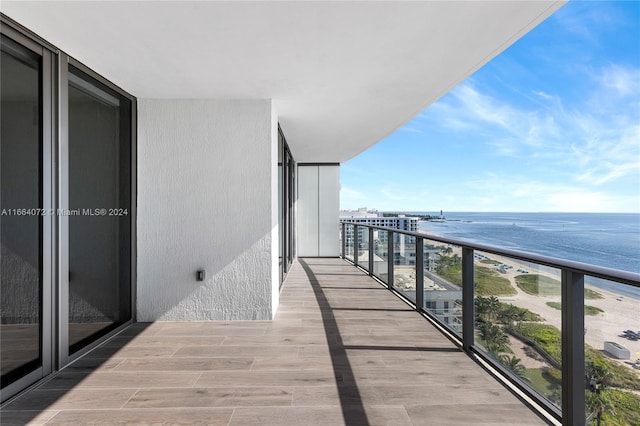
[404, 247]
[447, 306]
[168, 161]
[375, 218]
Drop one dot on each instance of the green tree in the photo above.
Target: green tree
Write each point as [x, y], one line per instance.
[481, 305]
[599, 377]
[599, 371]
[513, 364]
[493, 307]
[510, 313]
[491, 333]
[497, 350]
[598, 404]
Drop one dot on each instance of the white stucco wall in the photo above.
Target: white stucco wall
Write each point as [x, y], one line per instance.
[206, 197]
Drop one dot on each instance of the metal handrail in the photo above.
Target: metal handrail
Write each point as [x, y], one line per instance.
[572, 309]
[611, 274]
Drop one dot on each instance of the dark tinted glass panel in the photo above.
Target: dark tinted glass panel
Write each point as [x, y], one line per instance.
[99, 215]
[280, 205]
[286, 179]
[21, 220]
[289, 207]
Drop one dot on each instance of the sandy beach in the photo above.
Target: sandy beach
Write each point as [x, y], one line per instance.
[620, 313]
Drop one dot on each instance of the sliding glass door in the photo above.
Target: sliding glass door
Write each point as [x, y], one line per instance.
[99, 209]
[25, 214]
[286, 201]
[67, 155]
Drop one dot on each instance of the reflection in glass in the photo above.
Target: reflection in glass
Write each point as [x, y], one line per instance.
[363, 247]
[442, 266]
[380, 255]
[99, 192]
[348, 241]
[404, 261]
[289, 191]
[286, 200]
[280, 208]
[21, 178]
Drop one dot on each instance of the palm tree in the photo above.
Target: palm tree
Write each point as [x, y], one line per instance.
[485, 330]
[513, 364]
[599, 376]
[493, 307]
[599, 371]
[481, 306]
[499, 338]
[509, 314]
[491, 333]
[497, 350]
[598, 404]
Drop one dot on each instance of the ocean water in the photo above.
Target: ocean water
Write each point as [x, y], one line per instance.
[605, 239]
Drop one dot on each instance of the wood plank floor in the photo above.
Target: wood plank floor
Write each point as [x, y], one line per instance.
[342, 350]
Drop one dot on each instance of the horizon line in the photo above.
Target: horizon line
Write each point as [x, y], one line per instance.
[491, 211]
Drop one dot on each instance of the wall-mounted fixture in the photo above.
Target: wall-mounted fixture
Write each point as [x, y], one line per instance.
[200, 275]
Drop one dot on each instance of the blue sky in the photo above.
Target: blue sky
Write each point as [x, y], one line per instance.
[550, 125]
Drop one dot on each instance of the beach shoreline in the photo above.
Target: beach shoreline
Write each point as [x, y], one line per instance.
[619, 312]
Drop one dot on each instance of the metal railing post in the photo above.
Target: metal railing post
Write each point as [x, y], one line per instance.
[468, 305]
[390, 259]
[355, 245]
[419, 274]
[370, 251]
[573, 366]
[344, 239]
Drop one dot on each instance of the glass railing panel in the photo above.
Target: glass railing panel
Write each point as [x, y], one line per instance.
[363, 247]
[381, 255]
[404, 265]
[518, 320]
[612, 352]
[442, 265]
[348, 242]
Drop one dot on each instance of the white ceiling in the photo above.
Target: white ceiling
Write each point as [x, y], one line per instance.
[343, 75]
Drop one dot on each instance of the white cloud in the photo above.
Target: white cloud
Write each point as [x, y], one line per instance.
[511, 128]
[611, 172]
[623, 80]
[570, 143]
[508, 193]
[592, 201]
[542, 94]
[594, 145]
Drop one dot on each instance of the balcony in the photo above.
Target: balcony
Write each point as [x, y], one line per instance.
[342, 350]
[551, 327]
[200, 178]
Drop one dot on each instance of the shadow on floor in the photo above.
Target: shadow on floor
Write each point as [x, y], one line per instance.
[353, 411]
[27, 405]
